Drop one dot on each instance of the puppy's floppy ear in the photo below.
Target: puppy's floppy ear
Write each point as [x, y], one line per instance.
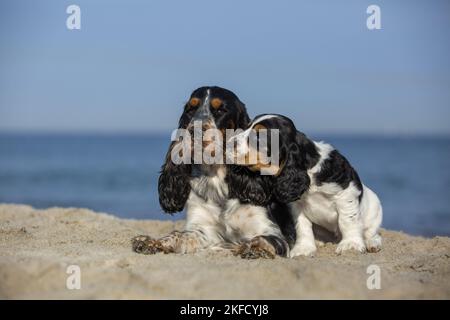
[173, 184]
[248, 186]
[243, 118]
[293, 179]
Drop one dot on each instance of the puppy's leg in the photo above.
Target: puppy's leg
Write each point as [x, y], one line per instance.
[305, 244]
[371, 236]
[201, 231]
[350, 222]
[372, 217]
[186, 241]
[262, 236]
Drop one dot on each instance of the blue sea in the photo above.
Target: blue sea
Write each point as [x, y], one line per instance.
[118, 174]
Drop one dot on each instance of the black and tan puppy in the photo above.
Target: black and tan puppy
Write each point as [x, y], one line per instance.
[225, 204]
[320, 186]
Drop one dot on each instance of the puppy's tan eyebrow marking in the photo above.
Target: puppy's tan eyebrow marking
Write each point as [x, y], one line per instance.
[216, 103]
[259, 127]
[194, 102]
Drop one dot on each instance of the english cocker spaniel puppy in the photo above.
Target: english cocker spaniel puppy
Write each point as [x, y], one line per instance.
[226, 205]
[320, 185]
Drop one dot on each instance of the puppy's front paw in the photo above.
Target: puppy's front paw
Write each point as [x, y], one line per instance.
[351, 244]
[146, 245]
[374, 244]
[256, 248]
[303, 249]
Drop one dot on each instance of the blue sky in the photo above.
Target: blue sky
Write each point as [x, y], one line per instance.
[133, 63]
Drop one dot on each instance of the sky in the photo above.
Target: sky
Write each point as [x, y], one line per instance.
[133, 64]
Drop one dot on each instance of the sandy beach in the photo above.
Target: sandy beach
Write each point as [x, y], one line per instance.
[37, 246]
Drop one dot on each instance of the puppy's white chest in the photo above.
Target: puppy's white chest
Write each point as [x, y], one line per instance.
[320, 208]
[244, 221]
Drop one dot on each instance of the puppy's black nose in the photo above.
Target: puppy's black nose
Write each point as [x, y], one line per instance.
[198, 126]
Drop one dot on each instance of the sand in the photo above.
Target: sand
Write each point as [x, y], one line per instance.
[37, 246]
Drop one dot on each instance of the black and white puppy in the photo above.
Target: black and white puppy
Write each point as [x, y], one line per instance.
[321, 187]
[214, 214]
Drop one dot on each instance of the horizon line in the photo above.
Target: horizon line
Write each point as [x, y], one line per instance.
[168, 132]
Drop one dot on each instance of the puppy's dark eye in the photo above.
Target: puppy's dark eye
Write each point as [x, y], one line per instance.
[220, 112]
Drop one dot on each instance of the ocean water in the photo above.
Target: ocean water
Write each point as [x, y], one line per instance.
[118, 174]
